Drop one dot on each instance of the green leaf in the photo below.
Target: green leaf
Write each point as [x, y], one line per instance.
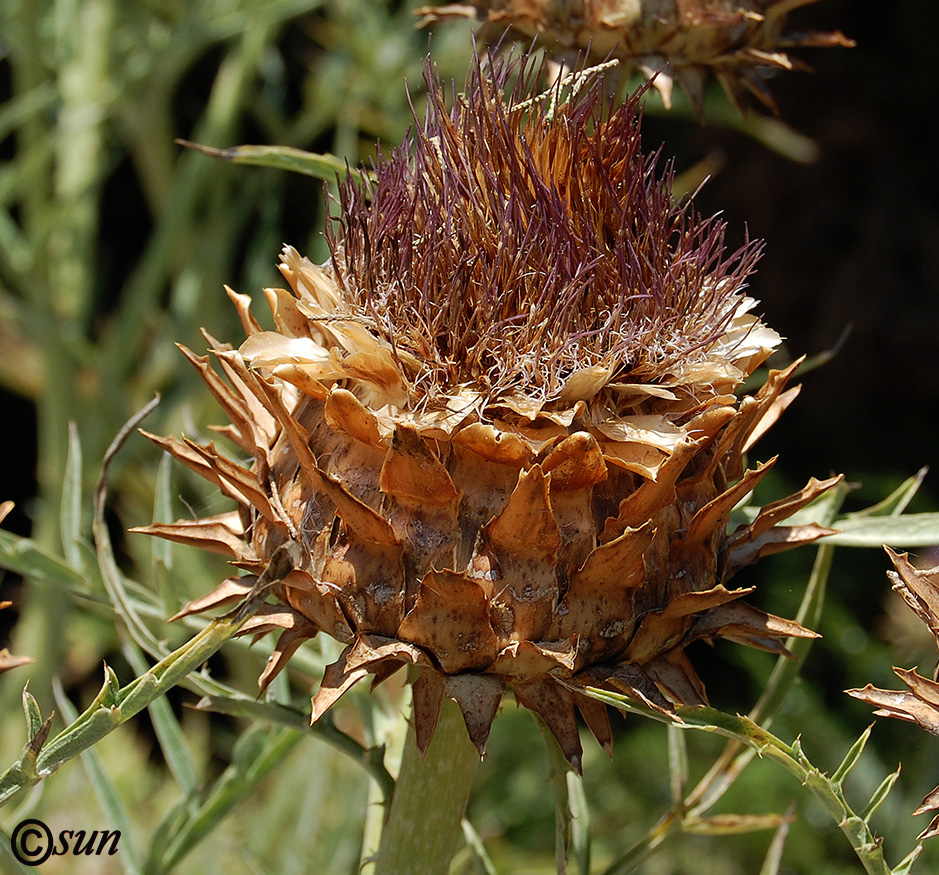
[110, 572]
[24, 556]
[16, 110]
[320, 166]
[112, 806]
[257, 751]
[773, 859]
[880, 795]
[10, 863]
[851, 757]
[169, 733]
[371, 759]
[895, 503]
[909, 530]
[172, 821]
[477, 849]
[580, 822]
[734, 824]
[557, 775]
[906, 864]
[70, 519]
[33, 714]
[163, 509]
[677, 763]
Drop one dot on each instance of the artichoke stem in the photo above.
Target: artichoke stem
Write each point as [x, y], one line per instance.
[424, 824]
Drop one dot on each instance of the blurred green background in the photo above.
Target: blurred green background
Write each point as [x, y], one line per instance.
[114, 243]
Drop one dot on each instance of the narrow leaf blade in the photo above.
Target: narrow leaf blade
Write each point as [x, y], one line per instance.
[115, 812]
[169, 733]
[880, 795]
[320, 166]
[70, 511]
[908, 530]
[773, 859]
[851, 757]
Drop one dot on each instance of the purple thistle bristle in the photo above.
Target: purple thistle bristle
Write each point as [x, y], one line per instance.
[511, 241]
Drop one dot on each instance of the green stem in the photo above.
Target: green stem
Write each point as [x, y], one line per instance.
[113, 707]
[734, 758]
[423, 826]
[827, 791]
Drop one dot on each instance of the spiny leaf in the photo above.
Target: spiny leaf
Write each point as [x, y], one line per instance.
[109, 694]
[880, 795]
[69, 743]
[791, 757]
[851, 758]
[28, 763]
[856, 828]
[37, 729]
[33, 715]
[906, 864]
[112, 806]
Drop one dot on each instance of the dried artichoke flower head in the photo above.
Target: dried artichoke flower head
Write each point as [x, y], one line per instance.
[497, 426]
[741, 42]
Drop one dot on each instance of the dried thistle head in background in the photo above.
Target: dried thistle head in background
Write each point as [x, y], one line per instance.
[920, 703]
[741, 42]
[498, 426]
